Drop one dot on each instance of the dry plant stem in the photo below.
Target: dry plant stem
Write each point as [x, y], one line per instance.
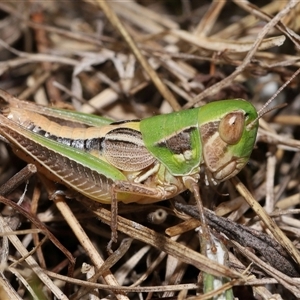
[151, 269]
[255, 11]
[35, 236]
[228, 80]
[77, 97]
[144, 18]
[21, 232]
[244, 23]
[292, 172]
[287, 120]
[185, 226]
[146, 289]
[7, 291]
[4, 245]
[216, 292]
[176, 274]
[123, 272]
[85, 241]
[41, 226]
[292, 284]
[20, 277]
[271, 165]
[38, 82]
[276, 139]
[186, 8]
[271, 225]
[113, 18]
[209, 19]
[33, 264]
[148, 236]
[65, 33]
[227, 46]
[109, 262]
[264, 244]
[30, 253]
[43, 43]
[24, 57]
[113, 223]
[17, 179]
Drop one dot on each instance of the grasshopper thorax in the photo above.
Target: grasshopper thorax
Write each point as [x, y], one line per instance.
[215, 135]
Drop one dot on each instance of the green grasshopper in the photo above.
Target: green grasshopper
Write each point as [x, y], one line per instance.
[141, 161]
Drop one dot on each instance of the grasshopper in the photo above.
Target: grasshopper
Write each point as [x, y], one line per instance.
[141, 161]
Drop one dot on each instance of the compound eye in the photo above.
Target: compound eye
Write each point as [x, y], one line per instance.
[231, 127]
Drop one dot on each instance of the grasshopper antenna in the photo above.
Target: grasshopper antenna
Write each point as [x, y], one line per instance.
[263, 110]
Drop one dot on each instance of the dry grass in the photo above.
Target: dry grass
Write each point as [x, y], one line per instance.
[128, 60]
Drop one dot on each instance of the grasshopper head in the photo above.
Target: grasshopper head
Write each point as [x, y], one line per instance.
[227, 140]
